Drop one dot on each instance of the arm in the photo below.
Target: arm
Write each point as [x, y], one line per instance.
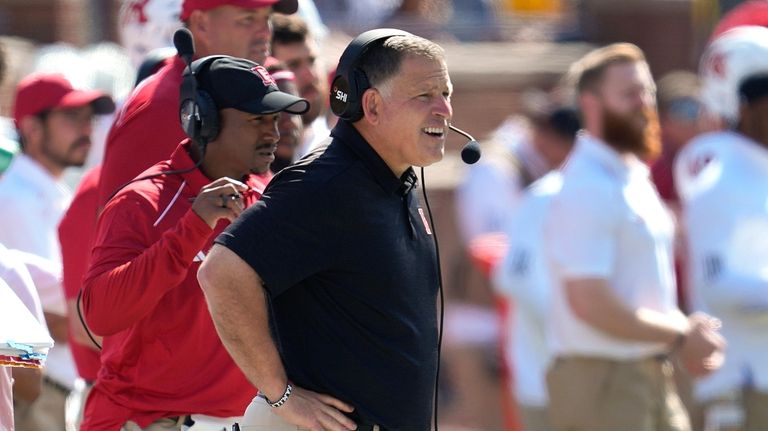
[238, 306]
[128, 277]
[27, 383]
[592, 301]
[126, 281]
[517, 277]
[77, 329]
[695, 338]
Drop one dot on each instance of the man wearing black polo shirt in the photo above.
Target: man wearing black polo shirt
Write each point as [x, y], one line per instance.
[338, 258]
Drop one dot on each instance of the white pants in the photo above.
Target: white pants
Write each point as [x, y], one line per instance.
[210, 423]
[260, 417]
[202, 423]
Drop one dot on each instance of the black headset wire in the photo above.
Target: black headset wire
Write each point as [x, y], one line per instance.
[142, 178]
[442, 296]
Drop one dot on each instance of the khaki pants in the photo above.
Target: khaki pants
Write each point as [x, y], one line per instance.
[595, 394]
[534, 418]
[46, 413]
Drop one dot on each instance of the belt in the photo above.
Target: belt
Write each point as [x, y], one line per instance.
[56, 385]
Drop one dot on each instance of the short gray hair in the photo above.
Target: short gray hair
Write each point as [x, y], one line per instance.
[382, 61]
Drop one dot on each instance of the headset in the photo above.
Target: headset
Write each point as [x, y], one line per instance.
[197, 110]
[350, 81]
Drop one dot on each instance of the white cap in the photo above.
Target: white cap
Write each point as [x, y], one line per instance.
[146, 25]
[729, 59]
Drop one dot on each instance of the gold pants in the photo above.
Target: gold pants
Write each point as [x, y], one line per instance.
[596, 394]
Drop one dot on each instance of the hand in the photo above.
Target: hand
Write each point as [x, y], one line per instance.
[220, 199]
[315, 412]
[702, 350]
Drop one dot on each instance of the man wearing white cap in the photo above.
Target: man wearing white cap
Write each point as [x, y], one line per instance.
[723, 181]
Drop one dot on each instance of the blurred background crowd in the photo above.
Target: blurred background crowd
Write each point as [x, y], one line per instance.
[508, 61]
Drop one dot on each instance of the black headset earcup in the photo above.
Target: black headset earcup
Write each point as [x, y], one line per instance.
[359, 84]
[340, 96]
[350, 82]
[209, 117]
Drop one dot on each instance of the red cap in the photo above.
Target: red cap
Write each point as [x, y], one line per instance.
[753, 12]
[41, 92]
[282, 6]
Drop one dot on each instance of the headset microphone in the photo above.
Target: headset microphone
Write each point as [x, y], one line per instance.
[470, 153]
[185, 45]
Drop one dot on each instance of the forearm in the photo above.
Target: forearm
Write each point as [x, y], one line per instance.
[27, 383]
[239, 308]
[593, 302]
[76, 328]
[116, 295]
[57, 326]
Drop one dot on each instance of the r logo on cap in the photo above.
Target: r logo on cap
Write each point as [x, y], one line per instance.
[266, 78]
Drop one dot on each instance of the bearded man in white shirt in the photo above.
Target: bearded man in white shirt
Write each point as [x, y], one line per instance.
[614, 321]
[54, 121]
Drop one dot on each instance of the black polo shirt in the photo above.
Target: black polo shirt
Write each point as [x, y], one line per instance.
[346, 253]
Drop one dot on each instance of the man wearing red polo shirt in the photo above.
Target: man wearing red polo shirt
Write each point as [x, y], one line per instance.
[146, 129]
[162, 363]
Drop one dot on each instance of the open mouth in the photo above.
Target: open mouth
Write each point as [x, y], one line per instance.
[435, 132]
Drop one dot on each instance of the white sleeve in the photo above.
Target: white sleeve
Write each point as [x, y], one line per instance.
[581, 229]
[47, 278]
[15, 274]
[728, 263]
[522, 273]
[485, 200]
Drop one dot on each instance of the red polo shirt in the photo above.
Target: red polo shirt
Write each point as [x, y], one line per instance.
[146, 129]
[76, 231]
[161, 356]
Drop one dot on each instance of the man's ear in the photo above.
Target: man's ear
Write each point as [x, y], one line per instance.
[31, 129]
[372, 103]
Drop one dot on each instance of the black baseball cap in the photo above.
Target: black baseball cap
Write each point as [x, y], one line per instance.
[246, 86]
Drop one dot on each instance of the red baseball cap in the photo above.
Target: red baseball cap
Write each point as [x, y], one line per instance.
[282, 6]
[43, 91]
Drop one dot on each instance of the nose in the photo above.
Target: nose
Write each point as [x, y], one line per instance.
[306, 74]
[270, 132]
[262, 28]
[443, 108]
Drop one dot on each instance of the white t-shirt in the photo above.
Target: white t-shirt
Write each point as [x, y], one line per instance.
[726, 214]
[524, 277]
[491, 190]
[33, 204]
[608, 222]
